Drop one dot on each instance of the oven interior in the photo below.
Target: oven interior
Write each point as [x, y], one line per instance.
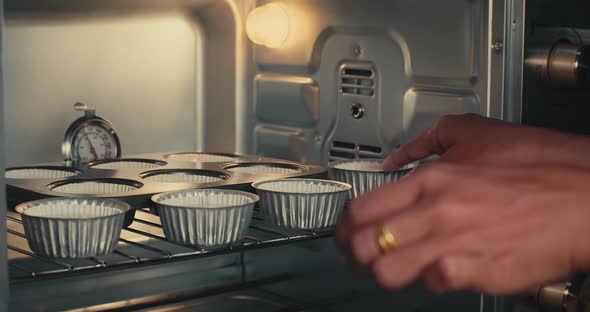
[350, 80]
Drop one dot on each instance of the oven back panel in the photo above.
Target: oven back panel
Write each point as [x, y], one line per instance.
[401, 64]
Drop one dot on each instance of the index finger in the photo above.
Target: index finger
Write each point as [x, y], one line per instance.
[424, 145]
[445, 133]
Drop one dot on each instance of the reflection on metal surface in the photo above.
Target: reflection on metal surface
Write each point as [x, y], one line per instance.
[232, 297]
[553, 297]
[287, 99]
[563, 64]
[568, 64]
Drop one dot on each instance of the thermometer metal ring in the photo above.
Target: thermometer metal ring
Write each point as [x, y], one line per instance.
[90, 139]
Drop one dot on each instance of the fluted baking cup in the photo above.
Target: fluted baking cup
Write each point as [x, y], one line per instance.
[302, 203]
[95, 186]
[265, 168]
[72, 227]
[40, 173]
[202, 157]
[365, 174]
[205, 217]
[128, 164]
[185, 176]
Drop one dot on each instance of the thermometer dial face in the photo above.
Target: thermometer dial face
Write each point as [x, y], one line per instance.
[91, 139]
[94, 143]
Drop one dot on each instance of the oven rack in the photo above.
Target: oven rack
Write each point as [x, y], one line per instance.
[142, 243]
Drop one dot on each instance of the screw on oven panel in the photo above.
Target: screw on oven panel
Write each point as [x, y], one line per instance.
[357, 51]
[357, 110]
[319, 139]
[498, 46]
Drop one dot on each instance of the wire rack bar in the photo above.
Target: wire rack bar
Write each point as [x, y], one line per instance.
[30, 254]
[144, 248]
[124, 255]
[153, 249]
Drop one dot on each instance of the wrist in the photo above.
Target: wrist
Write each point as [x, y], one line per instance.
[573, 150]
[582, 149]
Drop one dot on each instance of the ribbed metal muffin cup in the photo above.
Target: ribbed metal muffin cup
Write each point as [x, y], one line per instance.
[41, 172]
[199, 157]
[305, 204]
[127, 163]
[365, 174]
[94, 186]
[265, 168]
[73, 227]
[205, 217]
[199, 177]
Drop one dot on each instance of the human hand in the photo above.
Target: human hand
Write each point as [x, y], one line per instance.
[475, 139]
[498, 230]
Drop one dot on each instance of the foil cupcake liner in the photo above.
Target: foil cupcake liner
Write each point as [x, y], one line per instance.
[186, 176]
[365, 174]
[202, 157]
[95, 187]
[40, 173]
[128, 164]
[73, 227]
[205, 217]
[302, 203]
[264, 168]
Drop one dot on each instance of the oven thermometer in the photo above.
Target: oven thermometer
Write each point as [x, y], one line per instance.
[90, 138]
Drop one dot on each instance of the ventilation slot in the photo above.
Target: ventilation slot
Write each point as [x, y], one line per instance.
[358, 72]
[334, 155]
[347, 150]
[357, 81]
[344, 145]
[370, 149]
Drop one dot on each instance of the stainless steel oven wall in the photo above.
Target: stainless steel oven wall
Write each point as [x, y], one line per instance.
[355, 79]
[3, 247]
[163, 72]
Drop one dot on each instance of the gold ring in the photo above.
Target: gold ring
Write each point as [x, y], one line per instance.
[386, 240]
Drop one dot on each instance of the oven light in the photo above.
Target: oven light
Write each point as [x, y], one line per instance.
[268, 25]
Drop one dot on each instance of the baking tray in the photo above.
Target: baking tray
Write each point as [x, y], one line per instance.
[142, 187]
